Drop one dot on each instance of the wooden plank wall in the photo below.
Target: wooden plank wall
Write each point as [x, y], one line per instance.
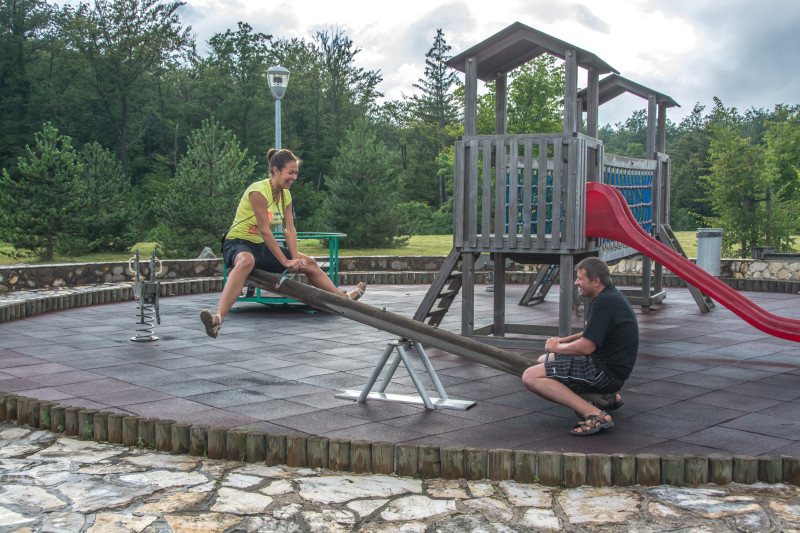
[537, 211]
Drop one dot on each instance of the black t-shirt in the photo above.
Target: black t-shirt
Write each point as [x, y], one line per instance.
[611, 325]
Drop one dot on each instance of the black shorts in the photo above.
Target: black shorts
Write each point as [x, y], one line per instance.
[264, 258]
[581, 374]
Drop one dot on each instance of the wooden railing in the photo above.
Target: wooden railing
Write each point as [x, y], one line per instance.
[504, 203]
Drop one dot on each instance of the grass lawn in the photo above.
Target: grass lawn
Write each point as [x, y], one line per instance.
[418, 245]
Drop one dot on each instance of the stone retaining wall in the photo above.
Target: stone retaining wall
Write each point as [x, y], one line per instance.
[549, 468]
[388, 269]
[33, 290]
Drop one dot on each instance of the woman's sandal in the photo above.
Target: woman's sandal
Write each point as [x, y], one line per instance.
[359, 291]
[211, 322]
[592, 424]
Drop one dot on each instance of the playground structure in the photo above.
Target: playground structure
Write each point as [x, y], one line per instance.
[523, 196]
[546, 199]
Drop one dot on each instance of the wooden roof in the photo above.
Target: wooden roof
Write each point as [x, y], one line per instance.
[516, 45]
[614, 85]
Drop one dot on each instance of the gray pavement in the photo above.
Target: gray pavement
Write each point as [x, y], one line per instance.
[54, 483]
[702, 383]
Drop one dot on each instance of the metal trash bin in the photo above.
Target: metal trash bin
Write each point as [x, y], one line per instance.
[709, 249]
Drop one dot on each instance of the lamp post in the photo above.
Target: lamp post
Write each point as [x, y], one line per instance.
[278, 78]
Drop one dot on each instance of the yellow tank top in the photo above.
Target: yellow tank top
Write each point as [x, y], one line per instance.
[244, 223]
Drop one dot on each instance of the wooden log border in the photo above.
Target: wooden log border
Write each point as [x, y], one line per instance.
[548, 468]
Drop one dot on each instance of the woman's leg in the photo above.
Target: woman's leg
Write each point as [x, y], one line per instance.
[319, 279]
[243, 265]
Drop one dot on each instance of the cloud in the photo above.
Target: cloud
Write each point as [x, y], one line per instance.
[744, 52]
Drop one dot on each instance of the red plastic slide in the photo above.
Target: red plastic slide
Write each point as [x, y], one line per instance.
[608, 216]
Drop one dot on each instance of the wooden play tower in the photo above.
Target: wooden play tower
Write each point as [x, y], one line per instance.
[522, 197]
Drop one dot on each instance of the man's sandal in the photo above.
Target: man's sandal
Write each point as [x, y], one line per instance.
[211, 322]
[358, 292]
[592, 424]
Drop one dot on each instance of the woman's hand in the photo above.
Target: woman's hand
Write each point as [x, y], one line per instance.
[295, 265]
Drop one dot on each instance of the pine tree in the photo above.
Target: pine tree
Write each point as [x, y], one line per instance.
[433, 111]
[363, 192]
[109, 222]
[202, 199]
[437, 104]
[46, 209]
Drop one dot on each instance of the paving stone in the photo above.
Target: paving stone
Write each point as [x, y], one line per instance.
[241, 481]
[391, 527]
[584, 506]
[172, 503]
[201, 522]
[491, 507]
[460, 524]
[91, 495]
[77, 451]
[56, 488]
[708, 503]
[339, 489]
[235, 501]
[329, 521]
[445, 488]
[417, 507]
[160, 479]
[183, 463]
[10, 518]
[120, 523]
[540, 519]
[60, 522]
[365, 508]
[523, 495]
[29, 496]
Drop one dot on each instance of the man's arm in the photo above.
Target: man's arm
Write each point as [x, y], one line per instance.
[575, 344]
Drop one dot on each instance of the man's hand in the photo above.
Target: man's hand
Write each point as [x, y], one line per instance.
[551, 344]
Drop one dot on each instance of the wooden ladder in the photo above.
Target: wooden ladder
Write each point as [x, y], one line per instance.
[443, 290]
[704, 302]
[540, 285]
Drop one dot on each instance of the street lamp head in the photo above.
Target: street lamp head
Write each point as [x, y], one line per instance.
[278, 78]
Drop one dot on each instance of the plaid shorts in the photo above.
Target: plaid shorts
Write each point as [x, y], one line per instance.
[581, 374]
[263, 257]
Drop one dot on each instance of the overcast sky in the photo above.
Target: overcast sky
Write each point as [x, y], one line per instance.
[744, 52]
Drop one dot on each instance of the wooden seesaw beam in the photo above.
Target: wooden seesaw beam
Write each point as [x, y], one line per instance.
[406, 328]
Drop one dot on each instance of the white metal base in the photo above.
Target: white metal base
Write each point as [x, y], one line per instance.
[443, 402]
[438, 403]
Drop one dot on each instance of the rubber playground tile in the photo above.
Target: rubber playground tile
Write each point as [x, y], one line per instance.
[270, 409]
[220, 417]
[736, 441]
[744, 402]
[38, 369]
[46, 394]
[318, 422]
[766, 388]
[691, 410]
[680, 338]
[705, 379]
[65, 378]
[676, 391]
[227, 398]
[376, 432]
[100, 386]
[174, 407]
[764, 424]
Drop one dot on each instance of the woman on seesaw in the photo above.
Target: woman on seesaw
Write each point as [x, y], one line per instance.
[250, 243]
